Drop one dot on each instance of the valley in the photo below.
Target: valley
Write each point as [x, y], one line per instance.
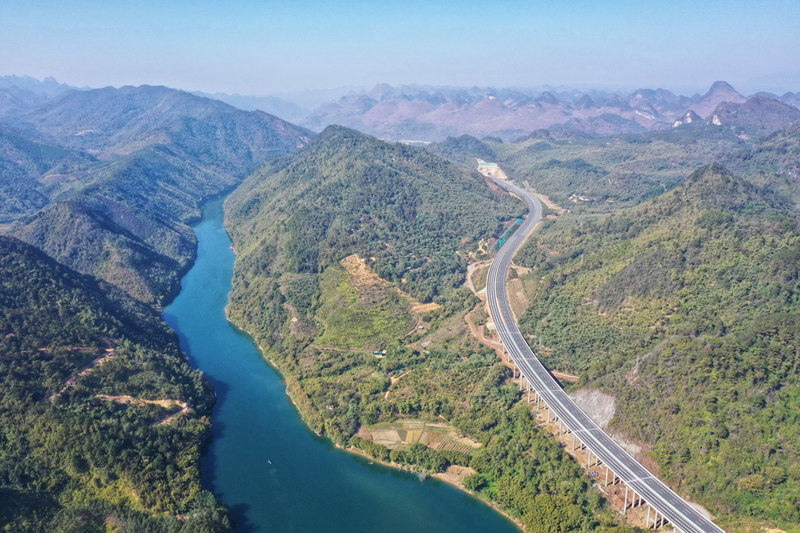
[116, 176]
[271, 471]
[663, 275]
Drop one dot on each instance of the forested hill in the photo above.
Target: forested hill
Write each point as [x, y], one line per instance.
[687, 309]
[22, 162]
[343, 338]
[603, 174]
[463, 150]
[346, 192]
[89, 382]
[773, 162]
[134, 165]
[112, 121]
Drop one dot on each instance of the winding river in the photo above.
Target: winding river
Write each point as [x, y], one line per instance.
[270, 470]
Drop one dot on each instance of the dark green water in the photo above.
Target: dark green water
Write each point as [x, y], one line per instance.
[272, 472]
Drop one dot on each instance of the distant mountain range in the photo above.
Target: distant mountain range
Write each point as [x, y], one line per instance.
[432, 114]
[23, 92]
[106, 180]
[270, 104]
[428, 113]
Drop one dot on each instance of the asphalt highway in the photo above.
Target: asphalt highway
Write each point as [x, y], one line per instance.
[651, 489]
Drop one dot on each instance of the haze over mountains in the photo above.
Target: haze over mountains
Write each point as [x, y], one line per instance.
[429, 113]
[433, 114]
[21, 92]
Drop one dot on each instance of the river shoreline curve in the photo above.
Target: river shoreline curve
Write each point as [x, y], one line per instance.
[270, 470]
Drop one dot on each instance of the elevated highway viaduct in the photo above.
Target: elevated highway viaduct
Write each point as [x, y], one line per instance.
[641, 486]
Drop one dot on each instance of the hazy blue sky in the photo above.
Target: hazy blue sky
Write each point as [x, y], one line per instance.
[264, 47]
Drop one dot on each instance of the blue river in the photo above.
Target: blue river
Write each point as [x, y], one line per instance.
[272, 472]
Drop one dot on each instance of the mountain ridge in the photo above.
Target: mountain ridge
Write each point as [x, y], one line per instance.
[151, 155]
[432, 114]
[322, 164]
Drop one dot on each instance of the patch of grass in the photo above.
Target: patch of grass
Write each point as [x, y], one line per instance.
[479, 277]
[354, 320]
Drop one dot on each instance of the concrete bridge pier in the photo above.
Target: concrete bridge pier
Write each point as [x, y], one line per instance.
[580, 445]
[637, 500]
[614, 477]
[658, 519]
[625, 505]
[632, 500]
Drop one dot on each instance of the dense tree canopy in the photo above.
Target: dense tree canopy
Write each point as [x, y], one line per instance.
[414, 219]
[70, 457]
[686, 308]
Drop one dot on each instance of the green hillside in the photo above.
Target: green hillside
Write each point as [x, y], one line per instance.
[773, 163]
[73, 454]
[349, 193]
[463, 150]
[121, 121]
[147, 158]
[319, 313]
[129, 227]
[687, 309]
[605, 173]
[23, 162]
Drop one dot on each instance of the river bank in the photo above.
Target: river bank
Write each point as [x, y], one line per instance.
[263, 462]
[338, 385]
[440, 476]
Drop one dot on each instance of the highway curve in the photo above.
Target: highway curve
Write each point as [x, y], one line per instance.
[651, 489]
